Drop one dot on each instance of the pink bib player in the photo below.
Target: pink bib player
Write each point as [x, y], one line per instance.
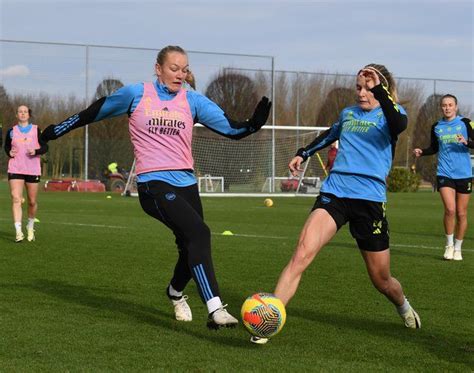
[23, 163]
[161, 132]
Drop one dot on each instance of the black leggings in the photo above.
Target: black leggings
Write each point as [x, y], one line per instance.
[180, 209]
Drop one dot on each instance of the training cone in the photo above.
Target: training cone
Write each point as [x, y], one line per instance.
[227, 233]
[108, 197]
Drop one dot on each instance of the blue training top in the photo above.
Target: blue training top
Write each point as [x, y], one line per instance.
[454, 159]
[366, 148]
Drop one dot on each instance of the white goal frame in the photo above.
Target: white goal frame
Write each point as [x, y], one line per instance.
[212, 182]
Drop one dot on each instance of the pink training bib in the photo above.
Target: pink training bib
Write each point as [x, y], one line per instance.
[161, 132]
[24, 163]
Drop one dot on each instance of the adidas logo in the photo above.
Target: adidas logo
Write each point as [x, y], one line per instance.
[377, 231]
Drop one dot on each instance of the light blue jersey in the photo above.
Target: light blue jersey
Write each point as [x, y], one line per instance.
[366, 147]
[454, 159]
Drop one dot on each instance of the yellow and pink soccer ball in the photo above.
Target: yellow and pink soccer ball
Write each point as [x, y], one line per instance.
[263, 315]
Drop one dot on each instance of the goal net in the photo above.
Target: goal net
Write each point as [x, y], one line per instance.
[257, 164]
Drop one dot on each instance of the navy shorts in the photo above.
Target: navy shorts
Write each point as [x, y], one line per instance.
[27, 178]
[367, 220]
[463, 186]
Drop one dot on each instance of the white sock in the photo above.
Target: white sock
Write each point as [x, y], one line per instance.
[457, 245]
[404, 308]
[31, 223]
[213, 304]
[450, 239]
[173, 292]
[18, 226]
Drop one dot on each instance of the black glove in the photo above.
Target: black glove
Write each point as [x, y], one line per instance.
[48, 134]
[260, 115]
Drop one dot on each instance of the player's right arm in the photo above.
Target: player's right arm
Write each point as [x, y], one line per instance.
[120, 102]
[8, 143]
[320, 142]
[433, 148]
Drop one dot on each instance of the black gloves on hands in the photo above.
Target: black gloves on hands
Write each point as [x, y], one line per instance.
[260, 115]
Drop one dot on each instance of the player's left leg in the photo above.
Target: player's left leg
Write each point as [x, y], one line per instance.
[462, 202]
[32, 193]
[378, 268]
[448, 196]
[369, 226]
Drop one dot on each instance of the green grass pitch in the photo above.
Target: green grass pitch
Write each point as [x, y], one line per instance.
[88, 294]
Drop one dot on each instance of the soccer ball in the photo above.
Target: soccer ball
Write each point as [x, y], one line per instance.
[268, 202]
[263, 315]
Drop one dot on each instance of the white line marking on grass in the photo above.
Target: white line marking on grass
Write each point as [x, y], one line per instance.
[237, 235]
[88, 225]
[289, 238]
[79, 224]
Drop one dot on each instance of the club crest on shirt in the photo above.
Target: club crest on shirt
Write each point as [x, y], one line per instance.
[325, 200]
[171, 196]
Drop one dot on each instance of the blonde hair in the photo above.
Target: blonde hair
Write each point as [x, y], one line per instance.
[161, 57]
[190, 79]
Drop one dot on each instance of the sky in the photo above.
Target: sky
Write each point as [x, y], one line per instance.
[420, 39]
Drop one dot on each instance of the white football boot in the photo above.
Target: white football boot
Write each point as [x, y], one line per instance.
[182, 311]
[19, 236]
[30, 234]
[449, 252]
[220, 318]
[411, 319]
[258, 340]
[457, 255]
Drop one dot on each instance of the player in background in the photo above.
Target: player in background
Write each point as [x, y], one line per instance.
[161, 119]
[332, 153]
[451, 138]
[355, 189]
[24, 169]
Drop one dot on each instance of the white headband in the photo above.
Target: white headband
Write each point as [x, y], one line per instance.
[379, 74]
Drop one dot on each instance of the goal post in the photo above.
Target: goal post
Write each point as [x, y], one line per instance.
[255, 165]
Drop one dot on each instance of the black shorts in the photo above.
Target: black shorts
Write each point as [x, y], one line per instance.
[367, 221]
[27, 178]
[463, 186]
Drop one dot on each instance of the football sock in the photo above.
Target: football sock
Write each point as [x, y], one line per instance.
[403, 309]
[18, 226]
[173, 292]
[457, 245]
[31, 223]
[213, 304]
[449, 239]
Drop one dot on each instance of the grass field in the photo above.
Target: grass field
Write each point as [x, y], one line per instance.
[88, 295]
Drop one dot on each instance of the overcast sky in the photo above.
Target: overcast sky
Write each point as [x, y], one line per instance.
[429, 39]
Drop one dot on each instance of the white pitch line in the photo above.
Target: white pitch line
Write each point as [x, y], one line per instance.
[78, 224]
[239, 235]
[289, 238]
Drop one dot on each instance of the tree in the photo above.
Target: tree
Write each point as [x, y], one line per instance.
[5, 115]
[237, 95]
[427, 116]
[336, 100]
[109, 139]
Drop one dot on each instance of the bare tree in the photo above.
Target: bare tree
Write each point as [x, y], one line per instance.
[235, 93]
[109, 139]
[427, 116]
